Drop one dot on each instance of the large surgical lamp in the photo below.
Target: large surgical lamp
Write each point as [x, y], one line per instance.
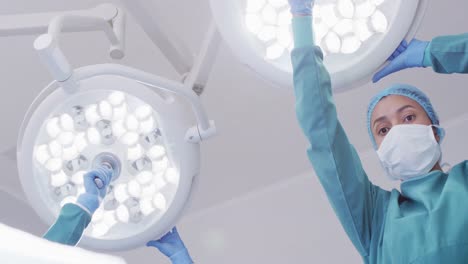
[141, 123]
[356, 36]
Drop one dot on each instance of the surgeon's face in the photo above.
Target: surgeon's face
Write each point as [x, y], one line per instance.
[396, 110]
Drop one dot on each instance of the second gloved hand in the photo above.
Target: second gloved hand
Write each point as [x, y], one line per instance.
[405, 56]
[90, 200]
[172, 246]
[301, 7]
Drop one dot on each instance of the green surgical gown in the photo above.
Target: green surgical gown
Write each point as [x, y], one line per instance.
[427, 222]
[69, 226]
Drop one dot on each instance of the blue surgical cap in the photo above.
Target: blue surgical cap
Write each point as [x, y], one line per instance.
[408, 91]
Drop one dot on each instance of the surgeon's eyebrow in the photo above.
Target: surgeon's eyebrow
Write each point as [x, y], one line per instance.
[401, 109]
[380, 119]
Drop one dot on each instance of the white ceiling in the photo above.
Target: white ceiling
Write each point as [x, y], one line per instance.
[259, 141]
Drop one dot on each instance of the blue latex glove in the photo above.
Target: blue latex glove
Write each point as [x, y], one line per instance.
[172, 246]
[94, 194]
[301, 7]
[405, 56]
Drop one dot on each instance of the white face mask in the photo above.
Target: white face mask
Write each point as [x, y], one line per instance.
[409, 151]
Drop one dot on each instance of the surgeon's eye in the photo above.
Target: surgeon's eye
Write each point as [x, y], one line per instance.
[384, 131]
[410, 118]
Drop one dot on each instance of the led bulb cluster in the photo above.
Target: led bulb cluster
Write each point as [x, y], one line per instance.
[340, 26]
[71, 140]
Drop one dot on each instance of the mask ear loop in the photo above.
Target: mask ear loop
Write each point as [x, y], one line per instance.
[445, 166]
[440, 132]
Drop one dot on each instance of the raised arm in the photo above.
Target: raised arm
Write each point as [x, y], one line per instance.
[445, 54]
[69, 226]
[335, 160]
[74, 218]
[448, 54]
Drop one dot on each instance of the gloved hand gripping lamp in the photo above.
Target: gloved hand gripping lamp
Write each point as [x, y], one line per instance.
[109, 161]
[136, 123]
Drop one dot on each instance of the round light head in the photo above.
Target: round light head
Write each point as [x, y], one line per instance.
[356, 36]
[110, 119]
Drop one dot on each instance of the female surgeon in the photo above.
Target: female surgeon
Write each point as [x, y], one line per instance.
[427, 222]
[75, 217]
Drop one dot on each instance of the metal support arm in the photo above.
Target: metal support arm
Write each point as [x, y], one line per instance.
[198, 76]
[53, 57]
[38, 23]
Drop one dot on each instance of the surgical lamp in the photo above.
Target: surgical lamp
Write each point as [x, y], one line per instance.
[139, 124]
[356, 36]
